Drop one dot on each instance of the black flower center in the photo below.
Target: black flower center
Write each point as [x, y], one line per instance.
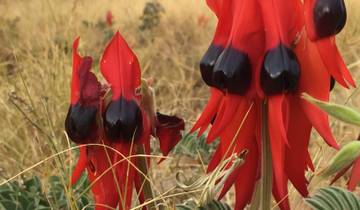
[80, 123]
[329, 17]
[123, 120]
[280, 71]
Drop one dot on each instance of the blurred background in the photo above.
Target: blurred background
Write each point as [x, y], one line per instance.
[168, 36]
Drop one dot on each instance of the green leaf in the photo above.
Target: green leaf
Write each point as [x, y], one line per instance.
[327, 193]
[342, 159]
[183, 207]
[334, 198]
[191, 144]
[9, 204]
[348, 199]
[213, 205]
[33, 184]
[340, 112]
[30, 195]
[216, 205]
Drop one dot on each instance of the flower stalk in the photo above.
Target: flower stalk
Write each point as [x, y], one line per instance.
[266, 161]
[146, 186]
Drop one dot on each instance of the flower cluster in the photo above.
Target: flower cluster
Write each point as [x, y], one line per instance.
[270, 52]
[114, 122]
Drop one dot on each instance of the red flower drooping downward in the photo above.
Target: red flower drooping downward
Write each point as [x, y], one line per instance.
[272, 52]
[114, 115]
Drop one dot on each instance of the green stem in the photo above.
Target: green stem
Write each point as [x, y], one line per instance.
[255, 201]
[266, 161]
[147, 190]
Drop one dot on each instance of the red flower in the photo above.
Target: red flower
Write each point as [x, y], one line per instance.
[121, 123]
[262, 54]
[109, 18]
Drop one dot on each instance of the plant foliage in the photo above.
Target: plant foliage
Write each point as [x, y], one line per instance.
[29, 194]
[192, 145]
[213, 205]
[334, 198]
[341, 112]
[151, 15]
[344, 158]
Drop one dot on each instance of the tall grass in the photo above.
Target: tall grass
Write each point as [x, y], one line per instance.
[35, 71]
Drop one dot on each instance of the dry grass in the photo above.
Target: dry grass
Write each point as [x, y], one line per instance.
[35, 70]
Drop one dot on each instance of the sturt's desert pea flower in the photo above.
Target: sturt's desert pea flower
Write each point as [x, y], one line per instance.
[267, 53]
[113, 122]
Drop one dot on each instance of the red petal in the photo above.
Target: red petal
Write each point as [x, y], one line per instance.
[243, 127]
[231, 104]
[327, 48]
[120, 68]
[125, 174]
[333, 61]
[246, 132]
[127, 180]
[75, 83]
[210, 110]
[314, 72]
[214, 5]
[219, 115]
[168, 131]
[223, 11]
[277, 142]
[320, 121]
[104, 189]
[280, 193]
[80, 166]
[244, 175]
[85, 87]
[278, 28]
[355, 175]
[309, 162]
[138, 186]
[309, 19]
[247, 33]
[296, 156]
[215, 160]
[343, 69]
[247, 36]
[340, 174]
